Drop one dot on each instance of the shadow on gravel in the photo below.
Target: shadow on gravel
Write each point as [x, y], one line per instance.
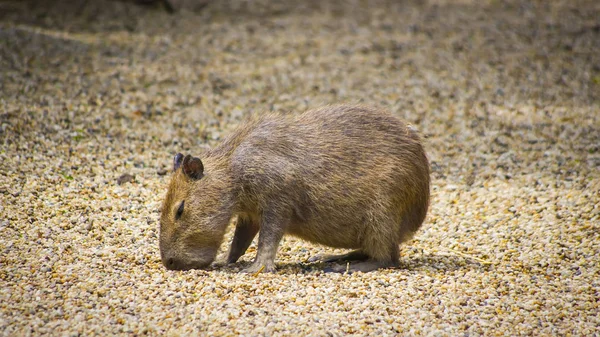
[443, 263]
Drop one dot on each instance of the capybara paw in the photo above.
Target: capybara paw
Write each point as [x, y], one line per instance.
[256, 268]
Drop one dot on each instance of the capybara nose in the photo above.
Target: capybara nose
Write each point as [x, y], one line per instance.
[178, 264]
[173, 264]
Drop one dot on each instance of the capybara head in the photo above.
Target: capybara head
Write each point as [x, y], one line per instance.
[194, 215]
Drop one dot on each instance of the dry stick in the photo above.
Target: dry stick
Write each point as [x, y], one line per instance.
[482, 261]
[78, 37]
[259, 271]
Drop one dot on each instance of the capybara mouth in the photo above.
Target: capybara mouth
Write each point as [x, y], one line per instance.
[176, 264]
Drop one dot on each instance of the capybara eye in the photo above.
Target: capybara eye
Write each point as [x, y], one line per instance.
[179, 211]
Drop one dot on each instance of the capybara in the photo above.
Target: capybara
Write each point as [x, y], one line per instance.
[343, 176]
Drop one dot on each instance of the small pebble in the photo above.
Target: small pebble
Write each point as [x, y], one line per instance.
[125, 178]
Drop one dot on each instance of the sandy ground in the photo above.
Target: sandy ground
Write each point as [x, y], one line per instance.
[507, 94]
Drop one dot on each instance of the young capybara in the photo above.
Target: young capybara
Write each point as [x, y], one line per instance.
[342, 176]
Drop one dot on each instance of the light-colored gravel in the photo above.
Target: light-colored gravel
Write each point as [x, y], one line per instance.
[506, 92]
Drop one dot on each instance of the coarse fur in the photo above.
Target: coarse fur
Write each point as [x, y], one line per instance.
[342, 176]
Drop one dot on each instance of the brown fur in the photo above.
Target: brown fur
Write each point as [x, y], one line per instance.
[341, 176]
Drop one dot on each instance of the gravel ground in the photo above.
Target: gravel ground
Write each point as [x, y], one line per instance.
[97, 96]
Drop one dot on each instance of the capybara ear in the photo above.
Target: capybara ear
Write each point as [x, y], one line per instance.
[177, 161]
[193, 167]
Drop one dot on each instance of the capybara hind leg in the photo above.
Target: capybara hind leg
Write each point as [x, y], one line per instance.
[355, 255]
[383, 252]
[387, 259]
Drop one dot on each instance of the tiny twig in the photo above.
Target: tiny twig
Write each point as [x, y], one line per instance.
[259, 271]
[482, 261]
